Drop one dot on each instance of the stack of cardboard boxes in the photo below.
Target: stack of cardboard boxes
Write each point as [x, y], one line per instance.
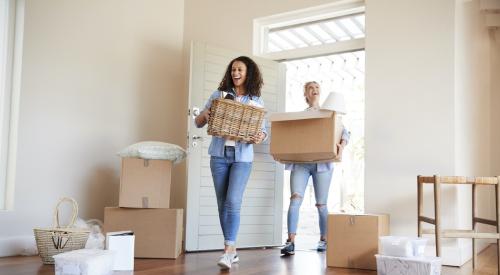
[144, 209]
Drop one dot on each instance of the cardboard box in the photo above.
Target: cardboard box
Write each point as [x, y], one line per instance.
[145, 183]
[353, 239]
[308, 136]
[122, 243]
[388, 265]
[158, 232]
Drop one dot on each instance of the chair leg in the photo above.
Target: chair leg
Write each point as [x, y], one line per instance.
[474, 256]
[437, 211]
[419, 205]
[498, 256]
[497, 212]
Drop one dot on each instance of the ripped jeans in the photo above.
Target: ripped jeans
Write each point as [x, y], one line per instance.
[299, 178]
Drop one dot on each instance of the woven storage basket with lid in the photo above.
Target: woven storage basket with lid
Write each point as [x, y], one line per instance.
[234, 120]
[59, 239]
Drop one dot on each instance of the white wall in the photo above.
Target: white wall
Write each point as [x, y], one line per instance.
[229, 23]
[409, 103]
[495, 101]
[427, 108]
[97, 76]
[472, 90]
[472, 121]
[494, 109]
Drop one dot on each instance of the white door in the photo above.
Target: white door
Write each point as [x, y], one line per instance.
[261, 212]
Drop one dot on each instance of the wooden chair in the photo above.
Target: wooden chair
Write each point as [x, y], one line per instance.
[437, 181]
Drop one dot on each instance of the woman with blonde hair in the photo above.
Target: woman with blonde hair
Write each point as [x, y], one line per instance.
[321, 174]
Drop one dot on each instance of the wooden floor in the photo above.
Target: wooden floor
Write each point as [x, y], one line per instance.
[256, 261]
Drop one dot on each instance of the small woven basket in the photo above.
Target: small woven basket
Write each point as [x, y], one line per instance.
[234, 120]
[59, 239]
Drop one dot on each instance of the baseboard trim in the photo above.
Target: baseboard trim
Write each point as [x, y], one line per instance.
[456, 253]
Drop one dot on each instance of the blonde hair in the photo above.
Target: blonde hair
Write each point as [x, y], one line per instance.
[305, 88]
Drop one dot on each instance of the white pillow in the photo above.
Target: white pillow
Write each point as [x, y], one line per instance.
[154, 150]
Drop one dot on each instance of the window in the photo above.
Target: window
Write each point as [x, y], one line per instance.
[11, 24]
[322, 32]
[332, 28]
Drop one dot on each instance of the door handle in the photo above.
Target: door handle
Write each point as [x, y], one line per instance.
[195, 137]
[196, 112]
[195, 140]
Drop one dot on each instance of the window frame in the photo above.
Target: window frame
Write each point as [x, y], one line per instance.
[10, 82]
[262, 26]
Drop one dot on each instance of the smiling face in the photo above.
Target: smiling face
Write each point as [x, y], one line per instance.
[312, 92]
[239, 74]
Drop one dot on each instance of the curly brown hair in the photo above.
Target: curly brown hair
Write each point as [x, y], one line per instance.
[253, 83]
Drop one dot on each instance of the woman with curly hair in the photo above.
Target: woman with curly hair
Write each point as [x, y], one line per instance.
[231, 161]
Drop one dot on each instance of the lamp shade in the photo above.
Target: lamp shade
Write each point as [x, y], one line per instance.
[335, 102]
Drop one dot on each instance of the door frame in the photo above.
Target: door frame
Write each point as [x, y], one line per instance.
[193, 183]
[261, 27]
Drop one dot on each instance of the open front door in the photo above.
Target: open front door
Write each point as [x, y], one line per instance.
[262, 208]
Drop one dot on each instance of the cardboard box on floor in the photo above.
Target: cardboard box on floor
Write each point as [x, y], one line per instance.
[353, 239]
[145, 183]
[158, 232]
[308, 136]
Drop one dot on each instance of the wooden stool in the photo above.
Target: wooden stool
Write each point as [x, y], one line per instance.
[441, 233]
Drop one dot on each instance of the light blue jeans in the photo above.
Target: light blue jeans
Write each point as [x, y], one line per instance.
[230, 179]
[299, 178]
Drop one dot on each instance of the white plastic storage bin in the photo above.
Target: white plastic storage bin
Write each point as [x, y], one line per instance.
[84, 262]
[387, 265]
[418, 246]
[402, 246]
[395, 246]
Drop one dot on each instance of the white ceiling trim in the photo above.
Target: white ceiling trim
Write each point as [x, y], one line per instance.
[317, 50]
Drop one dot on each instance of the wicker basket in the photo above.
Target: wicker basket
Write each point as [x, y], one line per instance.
[59, 239]
[234, 120]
